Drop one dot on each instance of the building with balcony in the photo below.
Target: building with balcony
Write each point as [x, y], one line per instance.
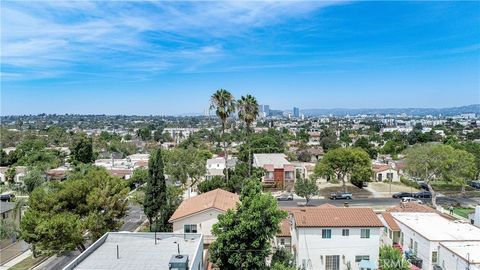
[280, 173]
[334, 238]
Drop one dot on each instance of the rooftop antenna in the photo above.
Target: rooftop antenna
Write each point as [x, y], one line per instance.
[118, 253]
[178, 248]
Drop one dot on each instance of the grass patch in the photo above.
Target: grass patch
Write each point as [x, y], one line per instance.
[463, 212]
[27, 263]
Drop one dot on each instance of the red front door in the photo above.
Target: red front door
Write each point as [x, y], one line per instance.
[278, 176]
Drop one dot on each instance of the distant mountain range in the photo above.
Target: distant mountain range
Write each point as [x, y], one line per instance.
[474, 108]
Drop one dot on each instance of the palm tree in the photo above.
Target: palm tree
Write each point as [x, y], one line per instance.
[248, 113]
[247, 110]
[224, 104]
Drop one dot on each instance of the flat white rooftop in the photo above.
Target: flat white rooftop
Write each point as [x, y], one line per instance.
[437, 228]
[468, 250]
[137, 251]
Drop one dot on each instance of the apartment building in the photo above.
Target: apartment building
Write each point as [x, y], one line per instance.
[333, 238]
[280, 172]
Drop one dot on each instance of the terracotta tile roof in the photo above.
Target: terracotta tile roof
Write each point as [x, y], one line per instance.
[411, 207]
[390, 221]
[217, 199]
[336, 217]
[284, 228]
[380, 167]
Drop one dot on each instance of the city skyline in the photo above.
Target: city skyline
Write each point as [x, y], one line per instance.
[137, 57]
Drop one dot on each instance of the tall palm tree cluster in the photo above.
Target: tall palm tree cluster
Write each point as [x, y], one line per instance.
[224, 104]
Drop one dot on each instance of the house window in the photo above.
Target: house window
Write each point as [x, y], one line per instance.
[390, 234]
[270, 175]
[326, 233]
[345, 232]
[434, 256]
[282, 242]
[415, 247]
[190, 228]
[365, 233]
[390, 176]
[289, 175]
[362, 257]
[332, 262]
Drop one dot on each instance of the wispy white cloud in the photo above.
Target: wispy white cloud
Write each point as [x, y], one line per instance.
[140, 36]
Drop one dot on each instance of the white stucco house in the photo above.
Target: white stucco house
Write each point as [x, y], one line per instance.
[199, 213]
[385, 172]
[439, 243]
[20, 172]
[216, 166]
[334, 238]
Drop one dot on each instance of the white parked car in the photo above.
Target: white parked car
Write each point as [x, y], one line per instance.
[411, 199]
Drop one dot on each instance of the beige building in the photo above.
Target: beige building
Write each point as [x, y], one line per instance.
[199, 213]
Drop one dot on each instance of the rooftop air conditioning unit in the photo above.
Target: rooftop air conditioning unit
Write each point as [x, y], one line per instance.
[178, 262]
[437, 267]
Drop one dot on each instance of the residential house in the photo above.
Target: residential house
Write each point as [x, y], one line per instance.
[313, 138]
[333, 238]
[279, 171]
[385, 172]
[459, 255]
[20, 172]
[216, 166]
[391, 231]
[199, 213]
[283, 239]
[9, 213]
[304, 169]
[316, 154]
[431, 240]
[149, 251]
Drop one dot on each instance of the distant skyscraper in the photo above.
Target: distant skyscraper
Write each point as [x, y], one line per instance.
[296, 112]
[264, 110]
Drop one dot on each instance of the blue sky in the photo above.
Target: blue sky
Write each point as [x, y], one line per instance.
[168, 57]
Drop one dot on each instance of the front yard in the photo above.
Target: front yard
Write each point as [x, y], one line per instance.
[395, 187]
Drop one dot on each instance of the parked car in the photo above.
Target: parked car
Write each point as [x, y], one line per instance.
[411, 199]
[341, 196]
[422, 194]
[7, 197]
[400, 195]
[285, 197]
[474, 184]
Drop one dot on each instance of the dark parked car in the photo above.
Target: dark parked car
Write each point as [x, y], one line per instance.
[285, 197]
[7, 197]
[474, 184]
[400, 195]
[422, 194]
[341, 196]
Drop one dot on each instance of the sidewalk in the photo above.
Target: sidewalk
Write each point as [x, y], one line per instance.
[16, 260]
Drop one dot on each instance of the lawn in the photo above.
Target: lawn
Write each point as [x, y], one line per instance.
[27, 263]
[463, 212]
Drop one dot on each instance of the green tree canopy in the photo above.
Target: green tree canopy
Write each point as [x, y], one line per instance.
[437, 161]
[392, 259]
[306, 188]
[243, 235]
[156, 191]
[59, 214]
[343, 163]
[82, 150]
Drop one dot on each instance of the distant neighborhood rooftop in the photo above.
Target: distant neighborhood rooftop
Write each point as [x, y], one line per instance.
[435, 227]
[218, 199]
[277, 160]
[137, 251]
